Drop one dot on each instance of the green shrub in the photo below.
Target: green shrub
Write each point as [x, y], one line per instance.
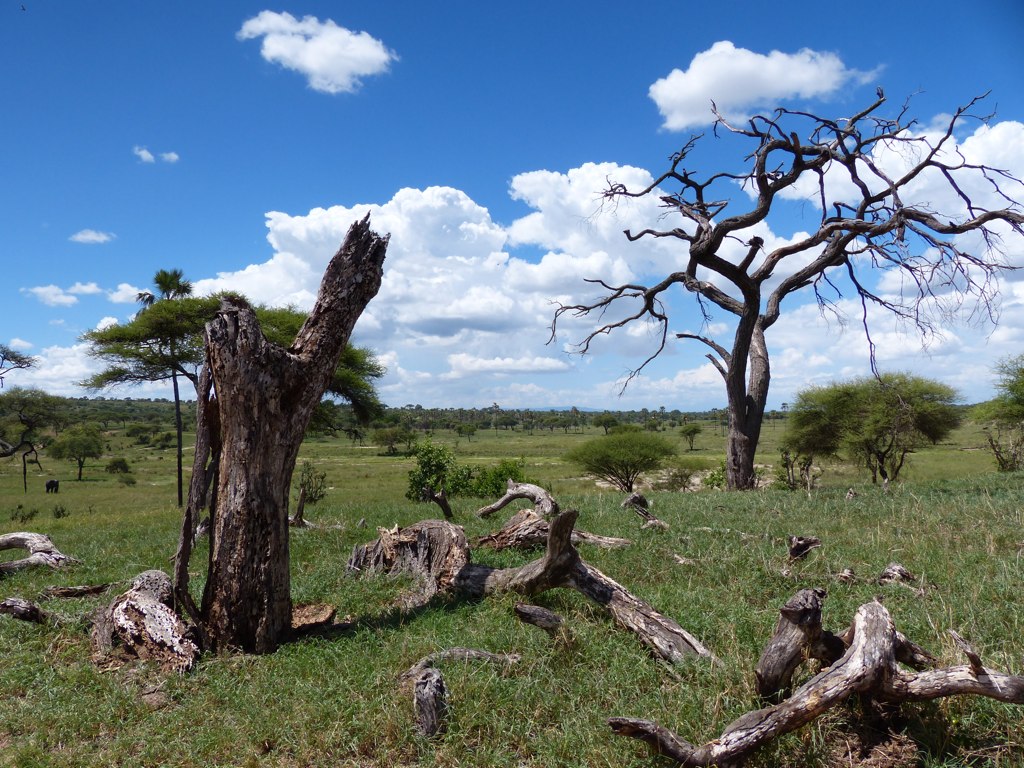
[490, 482]
[622, 456]
[60, 511]
[22, 515]
[118, 466]
[437, 470]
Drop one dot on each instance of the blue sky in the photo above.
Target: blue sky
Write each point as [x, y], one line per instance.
[236, 141]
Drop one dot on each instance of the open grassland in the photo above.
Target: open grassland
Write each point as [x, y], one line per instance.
[329, 702]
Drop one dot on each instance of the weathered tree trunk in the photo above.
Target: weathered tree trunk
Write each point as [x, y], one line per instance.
[747, 390]
[263, 396]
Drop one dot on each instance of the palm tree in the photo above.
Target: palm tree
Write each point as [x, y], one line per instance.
[170, 284]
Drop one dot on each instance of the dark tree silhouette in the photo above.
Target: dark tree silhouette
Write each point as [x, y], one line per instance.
[870, 220]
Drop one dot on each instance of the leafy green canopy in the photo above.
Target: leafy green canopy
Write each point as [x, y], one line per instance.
[875, 420]
[78, 443]
[1004, 415]
[167, 337]
[621, 457]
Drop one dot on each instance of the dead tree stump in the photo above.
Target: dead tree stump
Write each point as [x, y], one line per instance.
[143, 624]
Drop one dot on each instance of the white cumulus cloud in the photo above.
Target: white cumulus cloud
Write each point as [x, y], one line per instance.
[333, 59]
[21, 344]
[740, 81]
[467, 365]
[143, 154]
[124, 294]
[51, 295]
[91, 236]
[170, 157]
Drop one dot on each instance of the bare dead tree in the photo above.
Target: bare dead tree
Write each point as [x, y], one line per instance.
[255, 401]
[870, 221]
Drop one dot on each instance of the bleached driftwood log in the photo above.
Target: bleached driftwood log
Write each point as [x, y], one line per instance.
[41, 552]
[142, 622]
[435, 553]
[869, 667]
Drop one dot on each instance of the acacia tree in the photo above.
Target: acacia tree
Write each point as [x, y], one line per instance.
[78, 443]
[875, 420]
[163, 341]
[870, 220]
[24, 414]
[621, 457]
[1004, 415]
[13, 360]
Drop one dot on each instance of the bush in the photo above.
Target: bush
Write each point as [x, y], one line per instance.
[490, 482]
[22, 515]
[715, 478]
[60, 511]
[437, 470]
[127, 480]
[622, 456]
[118, 466]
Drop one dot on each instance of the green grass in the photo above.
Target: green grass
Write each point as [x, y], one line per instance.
[330, 702]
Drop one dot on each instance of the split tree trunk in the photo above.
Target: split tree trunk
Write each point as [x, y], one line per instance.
[261, 397]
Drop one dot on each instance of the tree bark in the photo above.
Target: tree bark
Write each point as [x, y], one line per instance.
[263, 396]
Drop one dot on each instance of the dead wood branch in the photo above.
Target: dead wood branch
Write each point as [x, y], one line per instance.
[430, 703]
[456, 654]
[84, 590]
[869, 667]
[436, 554]
[440, 498]
[142, 623]
[543, 503]
[24, 610]
[41, 552]
[799, 546]
[430, 695]
[639, 504]
[527, 530]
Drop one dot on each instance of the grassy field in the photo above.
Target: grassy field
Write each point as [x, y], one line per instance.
[952, 521]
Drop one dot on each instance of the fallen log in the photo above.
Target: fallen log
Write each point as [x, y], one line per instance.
[869, 667]
[142, 623]
[639, 504]
[436, 554]
[41, 552]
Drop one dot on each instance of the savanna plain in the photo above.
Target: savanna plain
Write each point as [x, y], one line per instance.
[721, 569]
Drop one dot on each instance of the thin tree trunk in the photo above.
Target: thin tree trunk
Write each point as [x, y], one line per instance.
[178, 431]
[260, 403]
